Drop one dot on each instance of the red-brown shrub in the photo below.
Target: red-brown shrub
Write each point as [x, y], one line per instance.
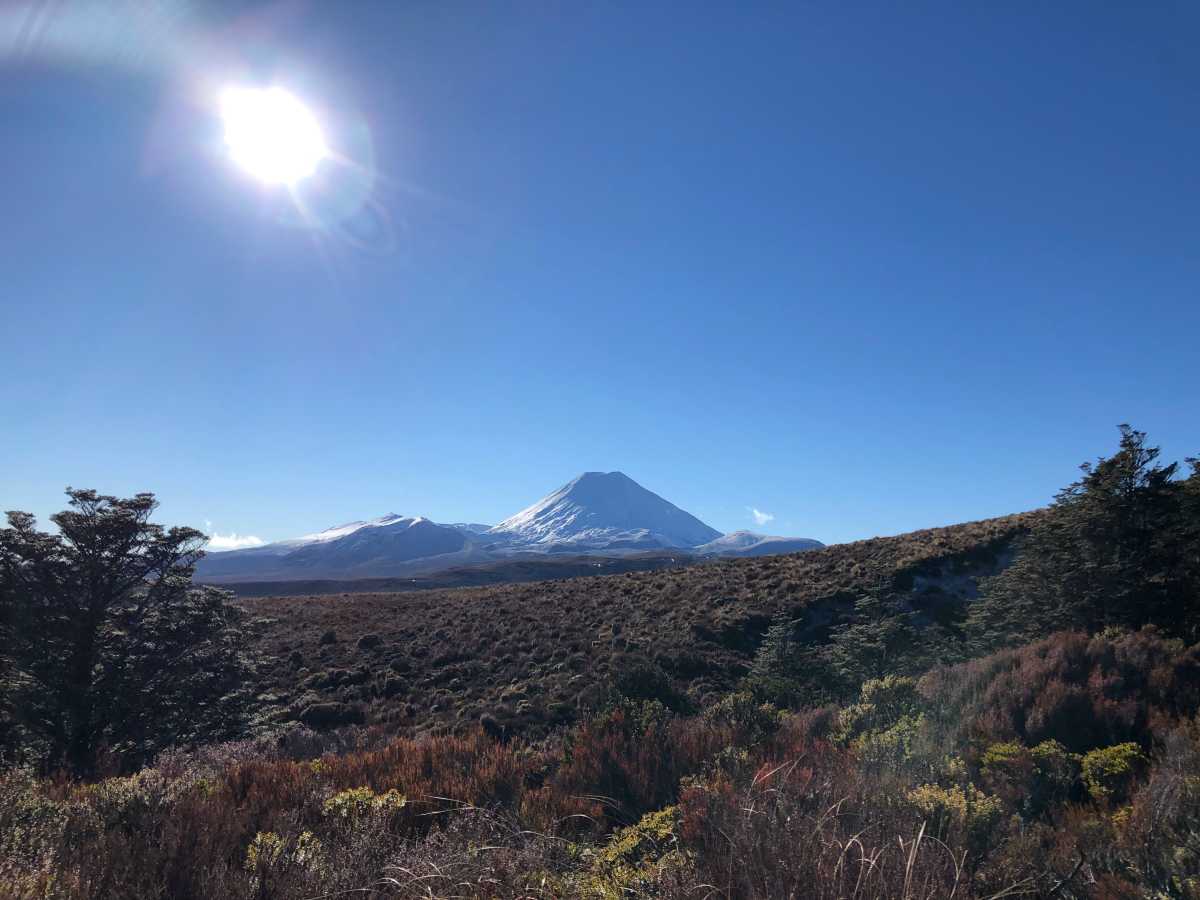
[1082, 691]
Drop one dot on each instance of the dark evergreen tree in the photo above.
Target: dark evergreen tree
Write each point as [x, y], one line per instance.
[105, 643]
[1116, 548]
[774, 674]
[878, 637]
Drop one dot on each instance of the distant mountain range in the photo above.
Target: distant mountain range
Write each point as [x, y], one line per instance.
[596, 514]
[747, 543]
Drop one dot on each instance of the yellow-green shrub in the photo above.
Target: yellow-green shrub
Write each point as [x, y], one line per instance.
[357, 803]
[636, 856]
[1109, 772]
[964, 808]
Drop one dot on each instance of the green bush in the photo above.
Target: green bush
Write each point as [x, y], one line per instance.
[966, 809]
[635, 857]
[753, 720]
[276, 863]
[1057, 770]
[1109, 772]
[33, 829]
[644, 681]
[888, 727]
[1031, 780]
[883, 702]
[357, 806]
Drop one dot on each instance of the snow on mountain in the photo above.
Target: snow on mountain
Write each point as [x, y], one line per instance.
[471, 527]
[384, 546]
[603, 511]
[748, 543]
[596, 513]
[340, 531]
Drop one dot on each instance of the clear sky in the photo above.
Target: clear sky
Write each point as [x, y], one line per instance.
[865, 267]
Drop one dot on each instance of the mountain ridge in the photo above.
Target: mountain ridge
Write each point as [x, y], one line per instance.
[596, 513]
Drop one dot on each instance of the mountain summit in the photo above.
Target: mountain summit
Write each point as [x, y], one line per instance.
[597, 514]
[604, 510]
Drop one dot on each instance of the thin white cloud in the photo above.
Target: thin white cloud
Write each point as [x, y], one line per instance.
[760, 517]
[231, 541]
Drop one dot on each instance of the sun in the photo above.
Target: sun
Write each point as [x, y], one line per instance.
[271, 134]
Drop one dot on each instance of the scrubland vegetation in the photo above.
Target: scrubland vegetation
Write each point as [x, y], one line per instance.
[1002, 709]
[531, 656]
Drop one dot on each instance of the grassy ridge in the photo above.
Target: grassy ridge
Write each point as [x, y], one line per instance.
[531, 656]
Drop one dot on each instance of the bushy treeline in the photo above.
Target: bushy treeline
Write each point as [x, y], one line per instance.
[1042, 741]
[1118, 548]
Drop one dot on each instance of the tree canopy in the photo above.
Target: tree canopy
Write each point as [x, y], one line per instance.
[1120, 547]
[106, 646]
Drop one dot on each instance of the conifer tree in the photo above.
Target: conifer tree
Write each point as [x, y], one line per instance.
[1117, 548]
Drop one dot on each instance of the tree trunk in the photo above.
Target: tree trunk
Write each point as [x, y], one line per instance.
[81, 746]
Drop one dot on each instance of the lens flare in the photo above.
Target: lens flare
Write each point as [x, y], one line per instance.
[271, 134]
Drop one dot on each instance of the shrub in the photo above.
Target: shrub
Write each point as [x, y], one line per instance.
[355, 805]
[1008, 770]
[796, 829]
[1083, 692]
[646, 681]
[882, 703]
[635, 755]
[752, 721]
[887, 727]
[1057, 772]
[966, 809]
[34, 832]
[1163, 819]
[637, 857]
[1034, 781]
[1109, 772]
[487, 854]
[331, 715]
[892, 748]
[279, 865]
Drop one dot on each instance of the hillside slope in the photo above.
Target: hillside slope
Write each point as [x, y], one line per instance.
[531, 655]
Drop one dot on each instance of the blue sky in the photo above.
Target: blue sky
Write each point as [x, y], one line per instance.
[863, 267]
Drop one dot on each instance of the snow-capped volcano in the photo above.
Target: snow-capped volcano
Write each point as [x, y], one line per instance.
[597, 514]
[604, 510]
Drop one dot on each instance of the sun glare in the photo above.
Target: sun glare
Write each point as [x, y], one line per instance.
[271, 134]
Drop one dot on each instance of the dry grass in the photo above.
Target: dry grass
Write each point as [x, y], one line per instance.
[738, 803]
[531, 656]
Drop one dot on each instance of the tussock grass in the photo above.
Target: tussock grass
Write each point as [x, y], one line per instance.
[530, 657]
